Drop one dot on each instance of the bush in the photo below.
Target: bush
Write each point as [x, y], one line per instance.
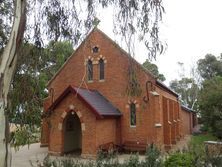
[215, 161]
[218, 127]
[24, 135]
[133, 161]
[153, 157]
[110, 159]
[203, 128]
[66, 162]
[180, 160]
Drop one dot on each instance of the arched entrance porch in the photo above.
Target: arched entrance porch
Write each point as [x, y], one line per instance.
[72, 134]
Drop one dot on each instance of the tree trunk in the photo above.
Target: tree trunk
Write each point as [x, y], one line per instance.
[7, 67]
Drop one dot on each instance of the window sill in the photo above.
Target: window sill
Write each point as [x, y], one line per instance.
[102, 80]
[91, 81]
[132, 126]
[157, 125]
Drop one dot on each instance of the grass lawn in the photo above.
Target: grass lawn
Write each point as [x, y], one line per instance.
[200, 138]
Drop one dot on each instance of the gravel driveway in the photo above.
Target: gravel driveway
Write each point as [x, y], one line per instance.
[23, 157]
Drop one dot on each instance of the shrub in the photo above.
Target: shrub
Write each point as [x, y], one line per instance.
[179, 159]
[24, 135]
[214, 161]
[133, 161]
[153, 157]
[108, 159]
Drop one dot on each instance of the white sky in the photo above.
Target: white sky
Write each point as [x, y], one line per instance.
[191, 29]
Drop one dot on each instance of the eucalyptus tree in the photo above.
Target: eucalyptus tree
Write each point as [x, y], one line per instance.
[35, 67]
[209, 97]
[71, 19]
[187, 88]
[8, 61]
[153, 69]
[210, 66]
[209, 101]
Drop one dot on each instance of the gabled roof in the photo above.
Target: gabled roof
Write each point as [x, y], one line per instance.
[124, 53]
[98, 104]
[113, 42]
[66, 62]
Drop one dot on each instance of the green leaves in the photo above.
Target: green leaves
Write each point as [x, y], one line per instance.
[210, 67]
[35, 68]
[153, 69]
[210, 104]
[24, 135]
[188, 89]
[6, 13]
[56, 54]
[133, 86]
[180, 160]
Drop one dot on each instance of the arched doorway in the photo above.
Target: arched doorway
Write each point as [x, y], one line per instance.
[72, 134]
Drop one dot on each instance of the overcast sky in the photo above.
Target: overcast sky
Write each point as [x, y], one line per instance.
[191, 29]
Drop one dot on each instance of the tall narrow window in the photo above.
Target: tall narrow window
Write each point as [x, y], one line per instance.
[101, 69]
[132, 114]
[90, 70]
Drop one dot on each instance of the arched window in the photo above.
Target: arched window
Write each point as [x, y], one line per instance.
[90, 70]
[101, 70]
[132, 114]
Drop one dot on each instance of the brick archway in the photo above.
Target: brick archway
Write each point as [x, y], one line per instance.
[71, 108]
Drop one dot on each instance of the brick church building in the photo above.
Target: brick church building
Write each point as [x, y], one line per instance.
[87, 106]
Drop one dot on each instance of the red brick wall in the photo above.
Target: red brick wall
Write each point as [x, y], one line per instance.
[186, 122]
[88, 118]
[170, 107]
[114, 89]
[166, 122]
[105, 131]
[97, 131]
[45, 123]
[171, 121]
[44, 133]
[177, 110]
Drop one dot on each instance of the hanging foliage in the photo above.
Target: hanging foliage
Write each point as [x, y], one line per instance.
[133, 86]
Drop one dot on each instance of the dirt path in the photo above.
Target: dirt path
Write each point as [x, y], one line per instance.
[23, 157]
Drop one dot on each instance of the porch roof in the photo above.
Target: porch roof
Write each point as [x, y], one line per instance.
[93, 99]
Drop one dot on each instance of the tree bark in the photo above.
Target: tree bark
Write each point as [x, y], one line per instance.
[7, 67]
